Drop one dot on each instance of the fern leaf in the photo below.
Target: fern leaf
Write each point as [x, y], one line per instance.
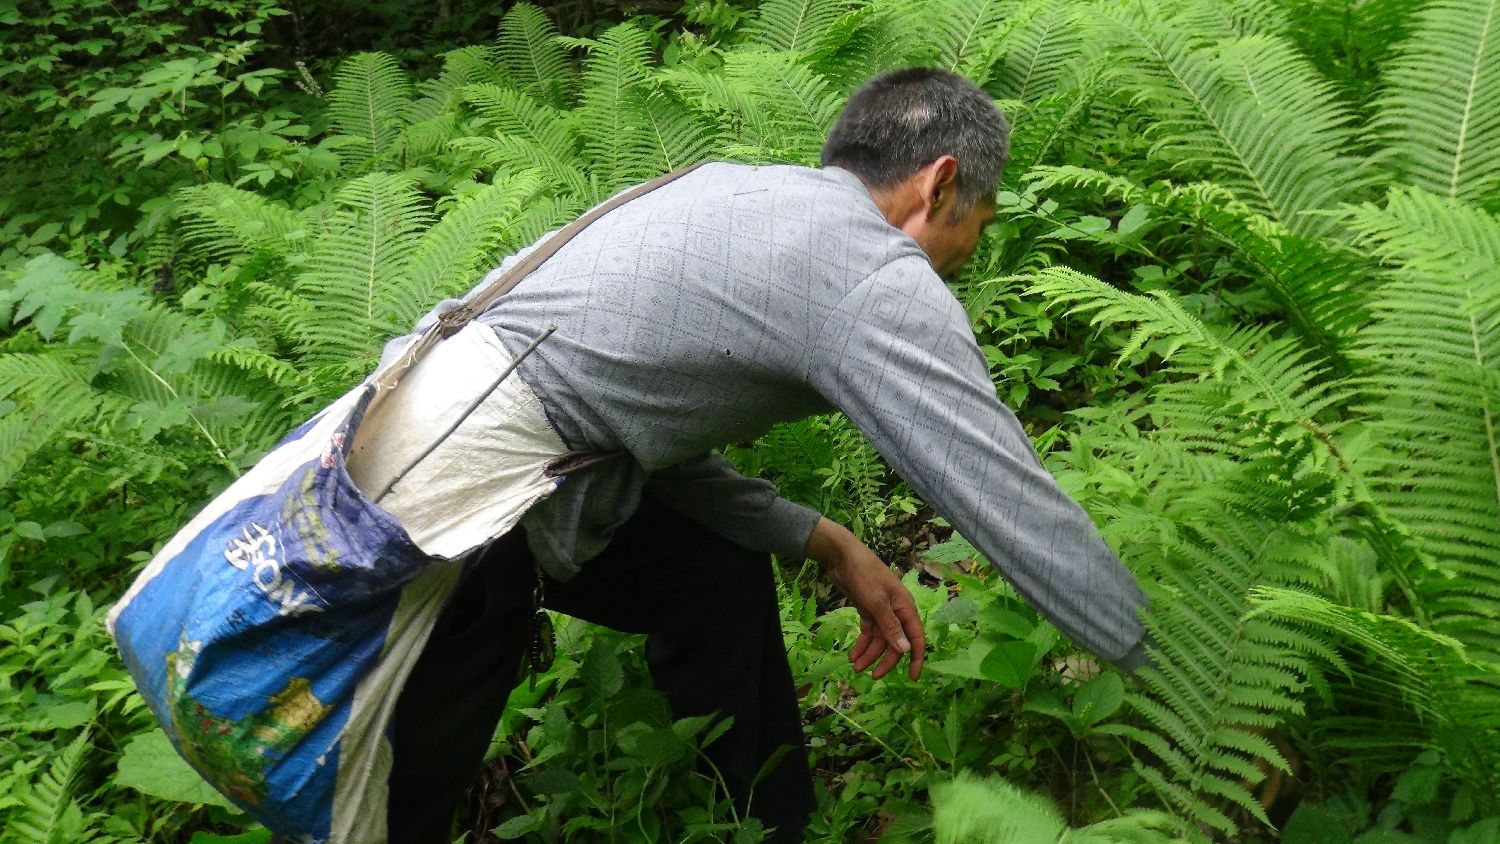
[26, 431]
[1280, 373]
[970, 810]
[371, 102]
[1436, 334]
[1310, 282]
[515, 114]
[795, 104]
[1255, 117]
[724, 102]
[445, 261]
[532, 56]
[48, 814]
[795, 26]
[476, 64]
[356, 289]
[1441, 109]
[992, 812]
[610, 115]
[1407, 670]
[511, 154]
[1040, 51]
[227, 221]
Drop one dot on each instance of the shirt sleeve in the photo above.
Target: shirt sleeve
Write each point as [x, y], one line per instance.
[897, 356]
[748, 511]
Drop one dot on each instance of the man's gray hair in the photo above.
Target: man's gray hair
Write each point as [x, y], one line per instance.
[900, 121]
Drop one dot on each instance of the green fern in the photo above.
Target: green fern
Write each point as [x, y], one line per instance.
[610, 116]
[1310, 283]
[528, 135]
[970, 810]
[795, 105]
[796, 26]
[1436, 334]
[223, 221]
[1441, 108]
[355, 291]
[533, 58]
[371, 103]
[48, 812]
[1412, 671]
[1041, 51]
[471, 237]
[1253, 116]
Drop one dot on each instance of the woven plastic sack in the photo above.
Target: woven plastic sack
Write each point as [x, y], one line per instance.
[272, 635]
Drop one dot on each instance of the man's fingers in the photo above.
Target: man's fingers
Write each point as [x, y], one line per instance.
[911, 622]
[891, 629]
[869, 647]
[892, 656]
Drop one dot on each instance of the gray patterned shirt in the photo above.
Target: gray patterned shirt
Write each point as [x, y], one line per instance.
[737, 297]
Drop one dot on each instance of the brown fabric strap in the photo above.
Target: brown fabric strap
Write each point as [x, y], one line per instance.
[451, 321]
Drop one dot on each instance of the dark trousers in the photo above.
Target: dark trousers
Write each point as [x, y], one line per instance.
[714, 644]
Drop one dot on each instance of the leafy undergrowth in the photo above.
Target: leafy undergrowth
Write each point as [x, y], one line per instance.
[1243, 290]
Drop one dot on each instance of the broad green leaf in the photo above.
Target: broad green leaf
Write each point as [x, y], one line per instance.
[1099, 698]
[1009, 663]
[151, 766]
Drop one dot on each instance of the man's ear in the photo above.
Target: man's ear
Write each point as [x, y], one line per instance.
[940, 185]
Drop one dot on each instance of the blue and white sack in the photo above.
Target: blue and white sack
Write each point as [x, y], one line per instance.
[272, 635]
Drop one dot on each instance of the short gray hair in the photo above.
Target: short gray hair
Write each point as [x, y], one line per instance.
[903, 120]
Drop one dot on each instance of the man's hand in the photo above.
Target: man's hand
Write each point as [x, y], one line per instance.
[889, 625]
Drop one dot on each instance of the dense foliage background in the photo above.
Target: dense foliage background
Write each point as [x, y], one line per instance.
[1244, 290]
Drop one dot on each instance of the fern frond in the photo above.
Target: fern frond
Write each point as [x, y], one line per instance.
[1312, 284]
[1229, 19]
[226, 222]
[1440, 112]
[52, 379]
[1041, 129]
[1365, 34]
[371, 102]
[1040, 51]
[1436, 334]
[468, 239]
[796, 106]
[992, 811]
[533, 58]
[796, 26]
[25, 431]
[248, 357]
[48, 814]
[959, 35]
[356, 288]
[971, 810]
[476, 64]
[615, 82]
[509, 154]
[170, 362]
[1406, 660]
[1411, 671]
[513, 113]
[721, 100]
[1279, 374]
[436, 118]
[1220, 676]
[1255, 117]
[546, 214]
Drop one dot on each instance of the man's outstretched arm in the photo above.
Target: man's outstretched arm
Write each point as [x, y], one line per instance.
[898, 357]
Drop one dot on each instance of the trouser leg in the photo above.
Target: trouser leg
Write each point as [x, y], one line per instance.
[714, 645]
[448, 710]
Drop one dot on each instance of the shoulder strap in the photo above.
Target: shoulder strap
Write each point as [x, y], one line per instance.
[451, 321]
